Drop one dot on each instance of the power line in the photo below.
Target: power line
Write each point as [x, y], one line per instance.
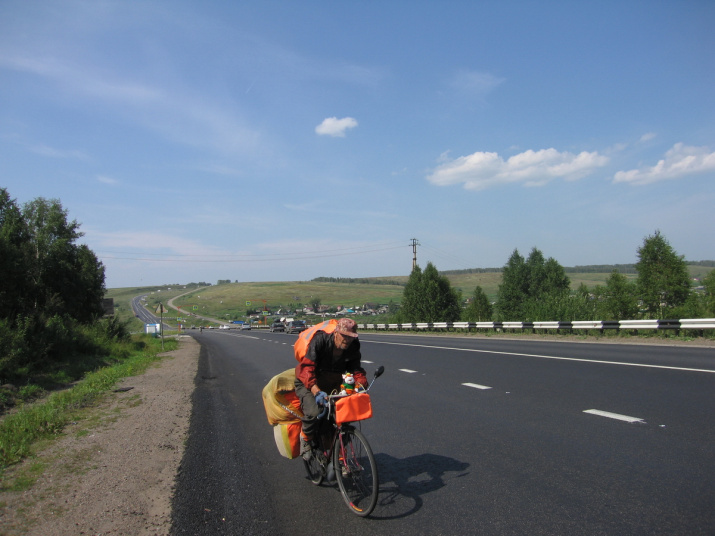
[268, 257]
[332, 251]
[450, 257]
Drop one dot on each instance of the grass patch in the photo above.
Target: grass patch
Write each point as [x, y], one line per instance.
[46, 418]
[26, 479]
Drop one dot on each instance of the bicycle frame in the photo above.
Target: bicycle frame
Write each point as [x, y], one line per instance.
[344, 446]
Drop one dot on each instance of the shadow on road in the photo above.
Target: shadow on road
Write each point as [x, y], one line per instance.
[403, 482]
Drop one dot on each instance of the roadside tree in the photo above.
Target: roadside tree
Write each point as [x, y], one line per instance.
[709, 285]
[50, 287]
[429, 297]
[13, 258]
[620, 301]
[533, 289]
[514, 288]
[663, 281]
[479, 308]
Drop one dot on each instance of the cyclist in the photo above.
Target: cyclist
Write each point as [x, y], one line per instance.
[321, 370]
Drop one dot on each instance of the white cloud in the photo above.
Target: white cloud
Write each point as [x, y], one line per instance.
[332, 126]
[679, 162]
[648, 136]
[480, 170]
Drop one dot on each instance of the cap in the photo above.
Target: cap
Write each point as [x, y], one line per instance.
[347, 327]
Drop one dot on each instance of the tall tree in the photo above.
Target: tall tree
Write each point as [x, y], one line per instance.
[709, 284]
[411, 297]
[429, 297]
[13, 258]
[67, 279]
[479, 308]
[514, 288]
[663, 281]
[535, 289]
[620, 298]
[442, 303]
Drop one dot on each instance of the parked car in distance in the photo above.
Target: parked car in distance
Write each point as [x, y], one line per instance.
[277, 326]
[295, 326]
[245, 326]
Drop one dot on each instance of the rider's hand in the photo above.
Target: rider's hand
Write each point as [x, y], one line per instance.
[321, 398]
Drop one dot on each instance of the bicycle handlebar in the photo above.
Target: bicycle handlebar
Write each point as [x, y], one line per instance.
[326, 408]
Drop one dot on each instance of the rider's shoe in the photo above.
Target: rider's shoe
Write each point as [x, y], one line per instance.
[306, 448]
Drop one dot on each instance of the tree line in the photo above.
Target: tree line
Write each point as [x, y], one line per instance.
[536, 288]
[356, 281]
[51, 287]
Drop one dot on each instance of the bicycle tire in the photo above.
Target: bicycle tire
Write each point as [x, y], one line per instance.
[357, 473]
[314, 470]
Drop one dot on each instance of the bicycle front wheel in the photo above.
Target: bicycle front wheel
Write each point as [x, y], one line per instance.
[356, 471]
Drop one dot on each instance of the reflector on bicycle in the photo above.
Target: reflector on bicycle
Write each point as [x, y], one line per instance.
[353, 408]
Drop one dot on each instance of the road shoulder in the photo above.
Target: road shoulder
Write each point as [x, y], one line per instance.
[114, 471]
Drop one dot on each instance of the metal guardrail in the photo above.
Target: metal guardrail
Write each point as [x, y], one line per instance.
[601, 325]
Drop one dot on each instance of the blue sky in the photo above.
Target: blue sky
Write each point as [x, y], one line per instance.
[281, 141]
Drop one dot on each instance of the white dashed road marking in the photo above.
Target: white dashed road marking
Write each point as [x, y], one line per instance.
[476, 386]
[613, 415]
[407, 370]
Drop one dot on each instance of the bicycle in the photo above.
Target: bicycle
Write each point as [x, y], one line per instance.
[341, 445]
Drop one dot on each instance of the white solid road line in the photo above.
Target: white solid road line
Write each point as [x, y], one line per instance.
[592, 361]
[613, 415]
[476, 386]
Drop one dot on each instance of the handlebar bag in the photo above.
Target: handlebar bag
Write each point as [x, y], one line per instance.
[353, 408]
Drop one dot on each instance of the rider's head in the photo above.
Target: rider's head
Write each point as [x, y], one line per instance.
[346, 331]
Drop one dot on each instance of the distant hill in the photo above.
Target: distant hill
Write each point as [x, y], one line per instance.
[227, 299]
[489, 278]
[588, 269]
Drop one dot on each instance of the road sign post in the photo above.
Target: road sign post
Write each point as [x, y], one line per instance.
[160, 309]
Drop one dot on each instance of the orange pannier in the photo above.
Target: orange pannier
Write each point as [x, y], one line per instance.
[353, 408]
[283, 411]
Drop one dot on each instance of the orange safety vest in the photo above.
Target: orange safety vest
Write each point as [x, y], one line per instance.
[301, 345]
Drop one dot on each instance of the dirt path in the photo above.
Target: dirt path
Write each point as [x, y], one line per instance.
[113, 473]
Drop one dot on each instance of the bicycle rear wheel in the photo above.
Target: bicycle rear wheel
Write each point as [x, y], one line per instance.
[314, 469]
[356, 472]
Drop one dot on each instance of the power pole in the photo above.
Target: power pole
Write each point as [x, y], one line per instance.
[415, 243]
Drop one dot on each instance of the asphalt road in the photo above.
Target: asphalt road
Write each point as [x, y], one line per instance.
[472, 436]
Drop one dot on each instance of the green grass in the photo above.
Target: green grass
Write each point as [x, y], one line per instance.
[228, 301]
[46, 418]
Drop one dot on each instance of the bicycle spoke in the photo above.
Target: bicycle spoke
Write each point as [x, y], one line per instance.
[356, 472]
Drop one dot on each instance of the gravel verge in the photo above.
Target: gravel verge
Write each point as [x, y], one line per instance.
[113, 473]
